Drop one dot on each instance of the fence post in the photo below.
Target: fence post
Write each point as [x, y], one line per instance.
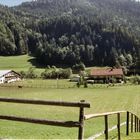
[106, 127]
[127, 123]
[135, 124]
[118, 125]
[131, 123]
[81, 121]
[139, 125]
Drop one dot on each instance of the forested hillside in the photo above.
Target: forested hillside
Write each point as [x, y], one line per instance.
[13, 38]
[66, 32]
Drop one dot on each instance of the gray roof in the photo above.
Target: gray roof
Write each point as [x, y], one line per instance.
[3, 72]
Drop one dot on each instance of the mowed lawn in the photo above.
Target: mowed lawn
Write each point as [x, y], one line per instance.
[102, 99]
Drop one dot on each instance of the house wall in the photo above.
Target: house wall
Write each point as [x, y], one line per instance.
[106, 79]
[2, 79]
[13, 80]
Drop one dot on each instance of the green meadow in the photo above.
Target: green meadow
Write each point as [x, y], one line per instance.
[102, 99]
[19, 63]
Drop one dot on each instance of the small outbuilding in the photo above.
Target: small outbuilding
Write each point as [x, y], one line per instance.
[107, 75]
[8, 76]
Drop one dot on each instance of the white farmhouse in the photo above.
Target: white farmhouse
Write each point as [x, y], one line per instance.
[8, 76]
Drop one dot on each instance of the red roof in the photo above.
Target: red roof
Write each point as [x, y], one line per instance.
[106, 72]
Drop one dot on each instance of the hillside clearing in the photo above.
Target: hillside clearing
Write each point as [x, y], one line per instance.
[19, 63]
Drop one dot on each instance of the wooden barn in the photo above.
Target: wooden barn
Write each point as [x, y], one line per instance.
[107, 75]
[8, 76]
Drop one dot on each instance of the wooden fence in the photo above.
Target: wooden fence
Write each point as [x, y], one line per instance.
[40, 85]
[132, 123]
[79, 124]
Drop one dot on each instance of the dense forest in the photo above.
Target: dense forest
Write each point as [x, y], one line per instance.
[68, 32]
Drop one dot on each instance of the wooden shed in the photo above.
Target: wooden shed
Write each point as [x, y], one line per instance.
[8, 76]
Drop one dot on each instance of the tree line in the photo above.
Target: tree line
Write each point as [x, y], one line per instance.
[96, 33]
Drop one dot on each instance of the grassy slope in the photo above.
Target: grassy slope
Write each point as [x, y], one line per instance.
[17, 63]
[101, 99]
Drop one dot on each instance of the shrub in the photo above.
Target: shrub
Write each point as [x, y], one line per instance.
[30, 74]
[78, 84]
[46, 74]
[54, 73]
[135, 80]
[82, 81]
[85, 85]
[78, 67]
[65, 73]
[23, 74]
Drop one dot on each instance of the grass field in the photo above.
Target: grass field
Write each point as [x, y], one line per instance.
[19, 63]
[102, 99]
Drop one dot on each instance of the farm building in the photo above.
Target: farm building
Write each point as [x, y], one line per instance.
[8, 76]
[107, 75]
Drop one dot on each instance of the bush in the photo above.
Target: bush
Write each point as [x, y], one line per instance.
[65, 73]
[46, 74]
[82, 81]
[29, 74]
[23, 74]
[78, 84]
[85, 85]
[53, 73]
[78, 67]
[135, 80]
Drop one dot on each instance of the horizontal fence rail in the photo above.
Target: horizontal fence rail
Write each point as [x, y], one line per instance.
[80, 124]
[41, 121]
[44, 102]
[89, 116]
[132, 122]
